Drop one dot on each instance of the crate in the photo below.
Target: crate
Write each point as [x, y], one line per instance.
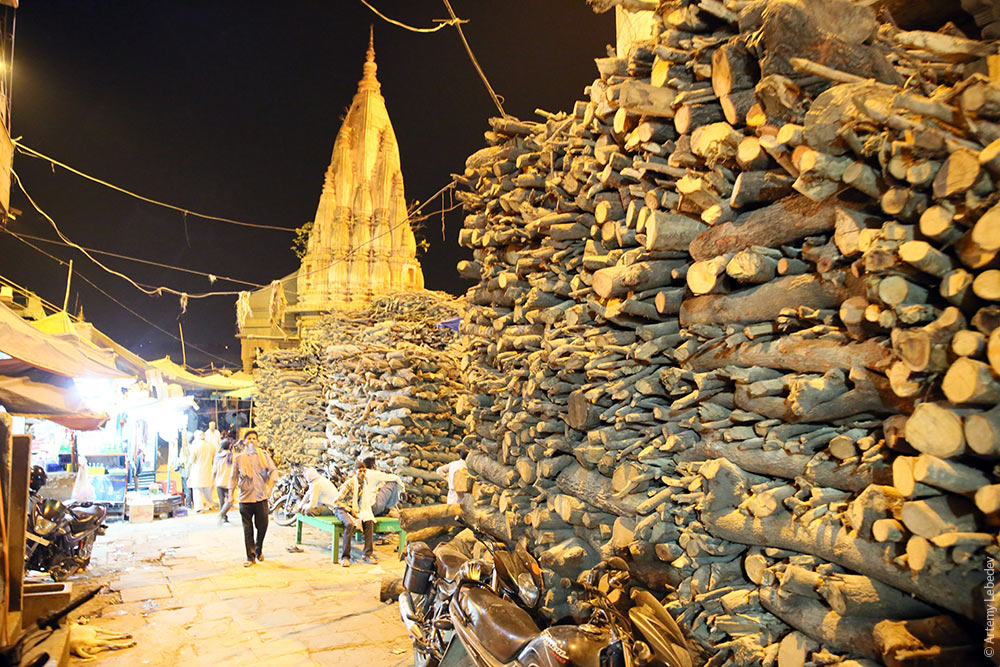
[140, 512]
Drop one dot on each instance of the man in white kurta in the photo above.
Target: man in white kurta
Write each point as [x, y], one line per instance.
[201, 455]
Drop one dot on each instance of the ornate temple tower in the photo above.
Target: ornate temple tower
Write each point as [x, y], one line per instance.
[361, 243]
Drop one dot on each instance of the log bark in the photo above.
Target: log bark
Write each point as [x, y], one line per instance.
[956, 590]
[764, 302]
[859, 596]
[816, 355]
[620, 279]
[848, 634]
[670, 231]
[646, 100]
[416, 518]
[579, 482]
[781, 223]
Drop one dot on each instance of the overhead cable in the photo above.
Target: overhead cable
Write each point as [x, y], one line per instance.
[158, 291]
[211, 276]
[442, 23]
[111, 298]
[149, 200]
[475, 63]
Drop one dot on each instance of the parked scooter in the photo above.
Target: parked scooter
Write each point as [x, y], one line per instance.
[60, 537]
[432, 578]
[624, 630]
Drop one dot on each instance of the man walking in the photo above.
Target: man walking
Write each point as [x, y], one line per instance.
[254, 474]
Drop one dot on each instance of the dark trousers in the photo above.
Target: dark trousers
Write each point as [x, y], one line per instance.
[254, 513]
[350, 525]
[225, 502]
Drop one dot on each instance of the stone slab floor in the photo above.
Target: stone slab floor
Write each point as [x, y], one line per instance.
[180, 588]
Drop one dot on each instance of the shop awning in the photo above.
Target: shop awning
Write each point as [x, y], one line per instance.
[216, 382]
[55, 354]
[31, 392]
[242, 394]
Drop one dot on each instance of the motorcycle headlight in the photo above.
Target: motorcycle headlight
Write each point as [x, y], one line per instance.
[43, 525]
[527, 589]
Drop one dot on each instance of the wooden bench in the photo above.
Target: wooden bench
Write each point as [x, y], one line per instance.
[332, 525]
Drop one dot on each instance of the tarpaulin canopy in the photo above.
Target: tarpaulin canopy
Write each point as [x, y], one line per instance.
[56, 354]
[31, 392]
[216, 382]
[123, 359]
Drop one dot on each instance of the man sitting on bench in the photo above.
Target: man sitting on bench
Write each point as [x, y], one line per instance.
[320, 499]
[366, 490]
[382, 490]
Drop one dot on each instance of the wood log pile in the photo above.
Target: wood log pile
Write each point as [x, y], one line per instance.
[735, 319]
[289, 410]
[383, 380]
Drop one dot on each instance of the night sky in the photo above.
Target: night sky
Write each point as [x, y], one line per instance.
[231, 109]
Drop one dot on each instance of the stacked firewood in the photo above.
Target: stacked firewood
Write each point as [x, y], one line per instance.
[289, 410]
[733, 318]
[388, 383]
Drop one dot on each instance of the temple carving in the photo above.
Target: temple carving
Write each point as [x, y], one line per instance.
[361, 242]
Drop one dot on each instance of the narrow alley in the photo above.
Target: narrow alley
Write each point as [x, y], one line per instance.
[180, 588]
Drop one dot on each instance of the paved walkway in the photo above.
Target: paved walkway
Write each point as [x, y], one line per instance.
[180, 588]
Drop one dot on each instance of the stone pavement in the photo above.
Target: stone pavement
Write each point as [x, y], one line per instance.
[180, 588]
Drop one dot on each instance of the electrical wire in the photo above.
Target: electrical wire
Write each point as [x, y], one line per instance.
[151, 323]
[158, 291]
[210, 276]
[111, 298]
[443, 23]
[31, 152]
[475, 63]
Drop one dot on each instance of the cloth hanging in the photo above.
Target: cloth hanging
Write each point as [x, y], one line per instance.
[243, 310]
[278, 303]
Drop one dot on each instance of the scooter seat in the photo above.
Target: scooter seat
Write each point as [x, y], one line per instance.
[448, 562]
[502, 627]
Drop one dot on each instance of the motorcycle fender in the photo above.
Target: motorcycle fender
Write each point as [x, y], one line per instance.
[455, 655]
[563, 645]
[659, 629]
[41, 540]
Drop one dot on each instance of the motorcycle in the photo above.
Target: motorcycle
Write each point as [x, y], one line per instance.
[432, 577]
[494, 632]
[61, 537]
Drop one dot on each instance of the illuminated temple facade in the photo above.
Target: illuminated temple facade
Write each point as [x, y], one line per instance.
[361, 243]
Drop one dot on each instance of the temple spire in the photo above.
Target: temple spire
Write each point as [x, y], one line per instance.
[362, 244]
[368, 80]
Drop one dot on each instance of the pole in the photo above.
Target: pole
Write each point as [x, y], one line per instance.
[69, 278]
[184, 356]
